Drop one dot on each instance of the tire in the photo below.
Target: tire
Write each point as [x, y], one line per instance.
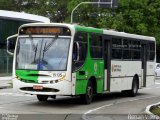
[53, 96]
[42, 98]
[87, 98]
[133, 92]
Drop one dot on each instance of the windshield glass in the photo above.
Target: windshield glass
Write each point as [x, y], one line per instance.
[42, 53]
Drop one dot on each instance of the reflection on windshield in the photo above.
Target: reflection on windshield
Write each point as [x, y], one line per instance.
[42, 53]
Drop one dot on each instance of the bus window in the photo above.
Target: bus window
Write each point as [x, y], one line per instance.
[79, 50]
[126, 49]
[136, 50]
[116, 48]
[96, 46]
[151, 51]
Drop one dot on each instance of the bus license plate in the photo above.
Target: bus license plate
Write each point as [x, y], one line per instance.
[37, 87]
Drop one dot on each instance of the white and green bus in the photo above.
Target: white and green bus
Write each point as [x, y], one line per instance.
[71, 60]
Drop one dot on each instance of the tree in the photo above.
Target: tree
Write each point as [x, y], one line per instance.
[7, 5]
[53, 9]
[132, 16]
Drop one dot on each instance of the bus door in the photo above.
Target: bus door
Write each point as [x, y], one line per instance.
[144, 63]
[107, 62]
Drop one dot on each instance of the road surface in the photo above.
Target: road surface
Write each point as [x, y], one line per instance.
[112, 106]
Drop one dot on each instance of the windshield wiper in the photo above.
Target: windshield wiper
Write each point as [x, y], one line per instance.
[49, 45]
[35, 53]
[46, 47]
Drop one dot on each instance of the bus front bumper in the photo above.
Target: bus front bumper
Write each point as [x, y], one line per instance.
[60, 88]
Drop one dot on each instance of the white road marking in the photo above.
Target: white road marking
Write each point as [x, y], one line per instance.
[98, 108]
[85, 117]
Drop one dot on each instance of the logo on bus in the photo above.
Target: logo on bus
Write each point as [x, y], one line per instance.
[116, 68]
[95, 67]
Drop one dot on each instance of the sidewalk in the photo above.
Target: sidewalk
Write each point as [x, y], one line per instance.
[5, 82]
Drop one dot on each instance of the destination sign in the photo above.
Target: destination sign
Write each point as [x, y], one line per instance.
[45, 30]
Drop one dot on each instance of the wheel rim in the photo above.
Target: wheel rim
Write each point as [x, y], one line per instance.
[135, 88]
[89, 92]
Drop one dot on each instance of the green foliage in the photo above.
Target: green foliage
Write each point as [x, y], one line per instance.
[7, 5]
[56, 10]
[155, 110]
[132, 16]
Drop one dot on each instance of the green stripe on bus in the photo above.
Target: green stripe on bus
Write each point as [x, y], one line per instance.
[27, 76]
[87, 29]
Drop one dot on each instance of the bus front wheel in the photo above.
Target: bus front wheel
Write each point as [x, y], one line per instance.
[42, 98]
[87, 98]
[53, 96]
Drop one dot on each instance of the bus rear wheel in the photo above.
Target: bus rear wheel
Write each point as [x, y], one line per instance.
[133, 92]
[42, 98]
[87, 98]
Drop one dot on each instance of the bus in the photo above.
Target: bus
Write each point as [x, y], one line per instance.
[10, 21]
[58, 59]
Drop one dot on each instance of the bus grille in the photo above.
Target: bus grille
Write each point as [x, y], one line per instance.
[43, 90]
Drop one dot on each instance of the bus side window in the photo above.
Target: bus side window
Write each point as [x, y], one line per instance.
[96, 46]
[79, 50]
[126, 49]
[116, 48]
[74, 57]
[136, 50]
[151, 51]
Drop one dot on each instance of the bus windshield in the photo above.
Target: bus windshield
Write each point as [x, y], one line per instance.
[42, 53]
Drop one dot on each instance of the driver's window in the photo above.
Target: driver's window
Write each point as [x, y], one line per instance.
[79, 50]
[75, 51]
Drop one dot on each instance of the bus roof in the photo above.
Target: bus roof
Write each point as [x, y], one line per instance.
[114, 33]
[23, 16]
[95, 30]
[128, 35]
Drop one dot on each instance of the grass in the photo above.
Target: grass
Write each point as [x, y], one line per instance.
[155, 110]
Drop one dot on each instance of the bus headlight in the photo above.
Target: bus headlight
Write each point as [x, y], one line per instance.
[58, 80]
[55, 81]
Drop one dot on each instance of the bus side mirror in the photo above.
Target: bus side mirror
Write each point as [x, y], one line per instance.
[11, 42]
[76, 52]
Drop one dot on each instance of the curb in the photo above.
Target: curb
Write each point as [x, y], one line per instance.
[147, 111]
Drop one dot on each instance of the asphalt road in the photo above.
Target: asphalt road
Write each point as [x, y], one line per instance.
[112, 106]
